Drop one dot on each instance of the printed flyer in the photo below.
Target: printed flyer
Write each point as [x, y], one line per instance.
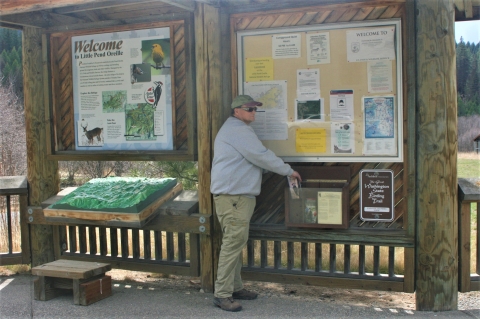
[122, 90]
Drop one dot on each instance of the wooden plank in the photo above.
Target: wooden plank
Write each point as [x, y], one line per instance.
[15, 6]
[124, 242]
[263, 253]
[290, 255]
[437, 211]
[109, 216]
[209, 94]
[71, 269]
[95, 290]
[409, 270]
[182, 248]
[329, 282]
[303, 256]
[277, 254]
[43, 289]
[333, 259]
[42, 174]
[13, 185]
[147, 246]
[113, 242]
[24, 231]
[318, 257]
[13, 259]
[157, 235]
[346, 259]
[464, 247]
[170, 246]
[194, 255]
[180, 269]
[250, 253]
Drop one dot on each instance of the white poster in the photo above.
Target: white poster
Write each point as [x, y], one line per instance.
[271, 118]
[379, 75]
[318, 48]
[371, 44]
[308, 84]
[286, 46]
[341, 105]
[379, 125]
[342, 138]
[122, 90]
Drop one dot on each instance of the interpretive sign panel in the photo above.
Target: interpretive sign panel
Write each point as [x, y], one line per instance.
[376, 195]
[122, 90]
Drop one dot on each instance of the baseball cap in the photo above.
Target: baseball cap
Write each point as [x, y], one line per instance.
[244, 100]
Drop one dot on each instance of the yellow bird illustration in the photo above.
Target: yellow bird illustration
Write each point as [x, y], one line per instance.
[158, 55]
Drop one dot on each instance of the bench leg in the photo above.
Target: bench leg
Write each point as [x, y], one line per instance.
[43, 288]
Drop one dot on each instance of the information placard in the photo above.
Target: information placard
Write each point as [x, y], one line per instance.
[122, 90]
[376, 195]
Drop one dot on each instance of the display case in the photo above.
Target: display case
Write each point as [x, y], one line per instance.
[320, 200]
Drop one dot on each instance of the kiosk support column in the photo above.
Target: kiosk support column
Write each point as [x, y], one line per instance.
[436, 200]
[42, 174]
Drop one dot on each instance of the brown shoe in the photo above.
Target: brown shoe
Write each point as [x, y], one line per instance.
[227, 304]
[245, 294]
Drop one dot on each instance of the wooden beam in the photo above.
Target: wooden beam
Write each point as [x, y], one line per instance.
[184, 4]
[42, 174]
[15, 6]
[436, 199]
[468, 9]
[108, 4]
[42, 19]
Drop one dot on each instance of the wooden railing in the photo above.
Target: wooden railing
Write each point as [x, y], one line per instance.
[14, 191]
[468, 195]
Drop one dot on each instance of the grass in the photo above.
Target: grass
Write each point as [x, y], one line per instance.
[468, 165]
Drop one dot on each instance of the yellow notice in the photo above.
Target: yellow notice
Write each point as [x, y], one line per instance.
[311, 140]
[258, 69]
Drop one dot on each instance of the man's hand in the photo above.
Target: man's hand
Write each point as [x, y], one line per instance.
[296, 175]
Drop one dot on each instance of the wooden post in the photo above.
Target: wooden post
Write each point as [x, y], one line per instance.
[436, 201]
[209, 94]
[42, 174]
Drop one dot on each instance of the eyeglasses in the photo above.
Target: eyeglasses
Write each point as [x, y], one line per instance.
[249, 109]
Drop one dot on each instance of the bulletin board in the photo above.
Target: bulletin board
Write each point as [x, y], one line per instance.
[330, 92]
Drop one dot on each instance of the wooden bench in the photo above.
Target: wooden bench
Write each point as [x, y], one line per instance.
[86, 279]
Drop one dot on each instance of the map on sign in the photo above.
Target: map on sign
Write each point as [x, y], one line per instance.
[273, 94]
[379, 117]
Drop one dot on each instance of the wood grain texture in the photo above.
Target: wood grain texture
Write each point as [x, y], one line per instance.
[437, 233]
[42, 174]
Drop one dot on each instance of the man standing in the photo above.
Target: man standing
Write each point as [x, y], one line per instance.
[238, 163]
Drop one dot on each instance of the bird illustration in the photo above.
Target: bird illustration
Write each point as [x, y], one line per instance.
[158, 55]
[157, 92]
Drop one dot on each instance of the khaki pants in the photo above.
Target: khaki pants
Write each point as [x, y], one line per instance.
[234, 213]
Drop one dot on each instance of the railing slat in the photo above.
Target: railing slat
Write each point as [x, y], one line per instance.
[82, 239]
[361, 259]
[147, 246]
[92, 239]
[157, 236]
[333, 258]
[290, 255]
[250, 253]
[124, 241]
[277, 254]
[346, 259]
[318, 257]
[263, 254]
[478, 238]
[114, 242]
[376, 260]
[103, 240]
[72, 239]
[9, 226]
[170, 247]
[391, 261]
[135, 243]
[304, 256]
[182, 248]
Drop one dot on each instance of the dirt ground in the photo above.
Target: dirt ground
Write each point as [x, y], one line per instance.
[351, 297]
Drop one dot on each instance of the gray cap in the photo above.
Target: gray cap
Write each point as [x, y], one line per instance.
[244, 100]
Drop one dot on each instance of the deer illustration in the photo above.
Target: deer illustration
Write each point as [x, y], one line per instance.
[92, 133]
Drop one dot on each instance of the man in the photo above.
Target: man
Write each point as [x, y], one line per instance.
[238, 163]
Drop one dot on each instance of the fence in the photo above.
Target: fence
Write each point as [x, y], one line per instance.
[469, 239]
[13, 199]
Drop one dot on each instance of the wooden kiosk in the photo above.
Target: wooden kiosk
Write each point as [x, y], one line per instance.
[214, 49]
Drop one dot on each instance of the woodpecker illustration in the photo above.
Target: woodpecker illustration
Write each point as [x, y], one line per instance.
[157, 92]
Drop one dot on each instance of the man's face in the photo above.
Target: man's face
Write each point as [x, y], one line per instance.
[245, 116]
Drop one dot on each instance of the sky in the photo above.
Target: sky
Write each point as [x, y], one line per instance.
[469, 30]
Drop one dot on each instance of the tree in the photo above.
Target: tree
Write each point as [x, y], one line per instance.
[13, 149]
